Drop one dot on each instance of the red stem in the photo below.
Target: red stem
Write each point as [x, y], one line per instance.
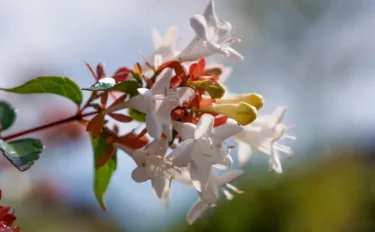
[52, 124]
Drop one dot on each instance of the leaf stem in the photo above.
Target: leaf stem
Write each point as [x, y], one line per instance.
[49, 125]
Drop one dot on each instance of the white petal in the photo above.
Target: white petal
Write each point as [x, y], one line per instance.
[277, 115]
[233, 54]
[244, 153]
[199, 25]
[170, 37]
[230, 176]
[140, 157]
[275, 163]
[224, 163]
[181, 155]
[226, 72]
[205, 126]
[230, 128]
[185, 94]
[126, 149]
[214, 48]
[168, 131]
[159, 185]
[185, 130]
[195, 212]
[158, 60]
[153, 125]
[157, 147]
[139, 174]
[200, 173]
[161, 85]
[156, 39]
[184, 176]
[209, 13]
[165, 198]
[142, 102]
[108, 80]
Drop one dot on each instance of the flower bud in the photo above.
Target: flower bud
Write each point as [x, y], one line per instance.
[213, 88]
[253, 99]
[242, 112]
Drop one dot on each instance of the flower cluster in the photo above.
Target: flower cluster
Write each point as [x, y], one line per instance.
[189, 117]
[7, 219]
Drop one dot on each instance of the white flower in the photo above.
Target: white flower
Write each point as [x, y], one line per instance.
[211, 195]
[206, 146]
[165, 48]
[262, 136]
[214, 36]
[157, 103]
[152, 164]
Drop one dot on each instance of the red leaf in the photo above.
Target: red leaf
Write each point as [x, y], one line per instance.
[220, 120]
[138, 69]
[176, 66]
[132, 140]
[92, 71]
[104, 159]
[119, 100]
[121, 74]
[206, 102]
[196, 70]
[143, 132]
[104, 99]
[96, 125]
[100, 70]
[121, 117]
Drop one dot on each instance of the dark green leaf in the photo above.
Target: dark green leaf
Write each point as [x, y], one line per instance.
[22, 153]
[129, 87]
[99, 86]
[62, 86]
[102, 176]
[7, 115]
[137, 116]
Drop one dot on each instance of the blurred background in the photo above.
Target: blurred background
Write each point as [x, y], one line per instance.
[316, 56]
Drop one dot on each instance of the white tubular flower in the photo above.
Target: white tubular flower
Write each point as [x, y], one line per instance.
[157, 103]
[262, 136]
[203, 148]
[211, 195]
[152, 164]
[214, 36]
[165, 47]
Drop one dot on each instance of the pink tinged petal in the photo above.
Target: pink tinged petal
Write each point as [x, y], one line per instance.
[157, 147]
[205, 126]
[210, 15]
[156, 39]
[199, 25]
[161, 85]
[159, 185]
[139, 174]
[140, 157]
[230, 176]
[200, 172]
[153, 125]
[230, 128]
[182, 154]
[244, 154]
[195, 211]
[233, 55]
[185, 130]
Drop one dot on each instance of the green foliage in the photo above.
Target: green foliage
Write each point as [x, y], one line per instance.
[103, 175]
[22, 153]
[7, 115]
[129, 87]
[137, 116]
[62, 86]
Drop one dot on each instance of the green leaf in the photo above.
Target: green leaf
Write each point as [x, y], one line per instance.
[102, 176]
[129, 87]
[62, 86]
[136, 115]
[22, 153]
[7, 115]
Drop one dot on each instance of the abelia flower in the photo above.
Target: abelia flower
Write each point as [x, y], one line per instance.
[157, 103]
[263, 136]
[213, 36]
[210, 196]
[7, 219]
[206, 144]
